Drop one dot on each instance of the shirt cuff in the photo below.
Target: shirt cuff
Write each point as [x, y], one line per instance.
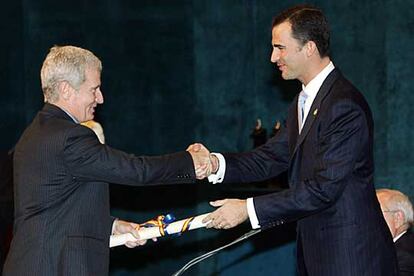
[113, 225]
[252, 214]
[219, 175]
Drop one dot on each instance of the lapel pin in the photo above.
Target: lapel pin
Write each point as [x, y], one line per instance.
[315, 112]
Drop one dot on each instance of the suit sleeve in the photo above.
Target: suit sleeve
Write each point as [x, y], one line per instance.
[89, 160]
[264, 162]
[341, 138]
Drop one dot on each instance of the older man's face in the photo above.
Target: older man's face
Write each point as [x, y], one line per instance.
[388, 214]
[88, 96]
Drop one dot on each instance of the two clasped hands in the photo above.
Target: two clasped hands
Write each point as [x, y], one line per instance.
[231, 212]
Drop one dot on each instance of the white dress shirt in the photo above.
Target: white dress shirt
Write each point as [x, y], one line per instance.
[70, 115]
[311, 90]
[399, 236]
[313, 87]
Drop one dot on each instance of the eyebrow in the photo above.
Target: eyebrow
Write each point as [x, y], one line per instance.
[279, 46]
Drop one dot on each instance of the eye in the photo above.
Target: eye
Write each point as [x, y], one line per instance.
[279, 47]
[94, 89]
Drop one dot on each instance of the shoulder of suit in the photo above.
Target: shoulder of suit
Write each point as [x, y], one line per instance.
[406, 241]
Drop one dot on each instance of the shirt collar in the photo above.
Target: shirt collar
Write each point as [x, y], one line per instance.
[399, 236]
[313, 86]
[70, 115]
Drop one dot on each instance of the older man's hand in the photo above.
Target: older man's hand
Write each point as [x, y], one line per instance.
[124, 227]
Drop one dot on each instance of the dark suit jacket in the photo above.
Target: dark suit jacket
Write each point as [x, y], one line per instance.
[341, 230]
[405, 253]
[6, 203]
[62, 221]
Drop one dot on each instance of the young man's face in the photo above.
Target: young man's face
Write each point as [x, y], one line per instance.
[288, 53]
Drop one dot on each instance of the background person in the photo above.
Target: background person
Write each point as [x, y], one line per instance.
[398, 213]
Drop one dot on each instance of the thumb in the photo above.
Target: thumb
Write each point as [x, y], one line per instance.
[134, 230]
[129, 227]
[195, 147]
[218, 203]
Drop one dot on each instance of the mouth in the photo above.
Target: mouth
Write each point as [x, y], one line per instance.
[281, 67]
[93, 109]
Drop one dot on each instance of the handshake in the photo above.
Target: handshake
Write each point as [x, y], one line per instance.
[205, 163]
[229, 212]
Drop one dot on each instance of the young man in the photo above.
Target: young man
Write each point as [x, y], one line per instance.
[327, 149]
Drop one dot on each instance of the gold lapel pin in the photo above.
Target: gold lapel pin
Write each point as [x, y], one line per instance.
[315, 112]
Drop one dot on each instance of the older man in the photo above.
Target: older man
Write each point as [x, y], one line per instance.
[62, 222]
[398, 213]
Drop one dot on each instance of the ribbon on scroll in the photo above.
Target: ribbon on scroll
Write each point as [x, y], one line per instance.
[159, 227]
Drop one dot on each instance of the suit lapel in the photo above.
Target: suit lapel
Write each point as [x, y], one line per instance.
[314, 110]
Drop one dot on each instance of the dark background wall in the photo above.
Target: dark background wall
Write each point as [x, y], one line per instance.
[181, 71]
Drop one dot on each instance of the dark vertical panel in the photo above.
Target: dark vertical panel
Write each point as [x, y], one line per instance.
[399, 99]
[149, 79]
[12, 100]
[359, 34]
[45, 24]
[224, 71]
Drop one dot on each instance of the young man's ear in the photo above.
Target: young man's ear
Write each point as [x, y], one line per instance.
[311, 48]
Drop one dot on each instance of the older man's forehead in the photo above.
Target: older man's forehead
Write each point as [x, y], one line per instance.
[383, 198]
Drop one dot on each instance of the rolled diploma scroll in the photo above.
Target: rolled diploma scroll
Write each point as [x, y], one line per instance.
[146, 233]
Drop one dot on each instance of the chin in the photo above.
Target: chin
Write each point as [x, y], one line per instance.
[288, 77]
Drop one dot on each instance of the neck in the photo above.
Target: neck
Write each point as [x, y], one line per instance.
[66, 108]
[400, 230]
[314, 68]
